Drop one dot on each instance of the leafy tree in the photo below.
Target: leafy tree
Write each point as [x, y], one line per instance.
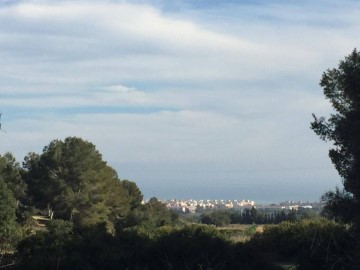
[342, 87]
[207, 219]
[253, 213]
[156, 213]
[10, 171]
[217, 218]
[46, 249]
[71, 178]
[7, 216]
[235, 217]
[134, 193]
[303, 213]
[147, 218]
[11, 188]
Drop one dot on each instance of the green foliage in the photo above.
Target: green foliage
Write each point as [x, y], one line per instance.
[217, 218]
[251, 230]
[12, 190]
[306, 213]
[71, 178]
[201, 247]
[59, 227]
[7, 216]
[10, 171]
[134, 193]
[340, 205]
[8, 228]
[342, 87]
[253, 216]
[45, 249]
[92, 247]
[193, 247]
[315, 244]
[147, 218]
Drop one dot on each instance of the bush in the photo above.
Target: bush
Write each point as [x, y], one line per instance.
[316, 244]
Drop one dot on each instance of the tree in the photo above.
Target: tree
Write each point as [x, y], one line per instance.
[7, 216]
[134, 193]
[47, 249]
[11, 189]
[71, 178]
[342, 87]
[149, 216]
[217, 218]
[10, 171]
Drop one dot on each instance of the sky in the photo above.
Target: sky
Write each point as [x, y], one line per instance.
[189, 99]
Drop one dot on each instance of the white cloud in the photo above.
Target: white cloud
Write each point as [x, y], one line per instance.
[101, 41]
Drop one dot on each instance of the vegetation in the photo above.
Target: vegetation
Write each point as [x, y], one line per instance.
[191, 247]
[255, 216]
[309, 244]
[7, 217]
[71, 179]
[342, 87]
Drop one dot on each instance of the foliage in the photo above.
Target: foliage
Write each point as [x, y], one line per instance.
[134, 193]
[71, 178]
[12, 189]
[177, 250]
[7, 216]
[147, 218]
[202, 247]
[45, 249]
[217, 218]
[10, 171]
[342, 87]
[340, 205]
[315, 244]
[92, 247]
[253, 216]
[307, 213]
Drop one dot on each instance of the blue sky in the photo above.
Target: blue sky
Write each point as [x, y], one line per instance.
[189, 99]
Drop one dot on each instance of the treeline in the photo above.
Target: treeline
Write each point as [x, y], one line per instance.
[255, 216]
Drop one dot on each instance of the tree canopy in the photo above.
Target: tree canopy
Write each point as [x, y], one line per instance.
[342, 88]
[7, 214]
[71, 179]
[134, 192]
[11, 172]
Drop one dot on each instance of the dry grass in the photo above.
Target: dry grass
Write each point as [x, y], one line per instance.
[240, 233]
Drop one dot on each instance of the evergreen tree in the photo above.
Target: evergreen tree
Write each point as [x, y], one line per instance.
[134, 192]
[71, 178]
[7, 215]
[11, 173]
[342, 87]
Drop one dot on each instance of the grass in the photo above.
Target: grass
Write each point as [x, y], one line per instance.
[240, 233]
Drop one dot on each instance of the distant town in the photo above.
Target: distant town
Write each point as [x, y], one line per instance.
[195, 206]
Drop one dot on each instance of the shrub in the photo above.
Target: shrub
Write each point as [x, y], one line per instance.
[315, 244]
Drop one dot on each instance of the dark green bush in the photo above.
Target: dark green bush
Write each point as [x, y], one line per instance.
[315, 244]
